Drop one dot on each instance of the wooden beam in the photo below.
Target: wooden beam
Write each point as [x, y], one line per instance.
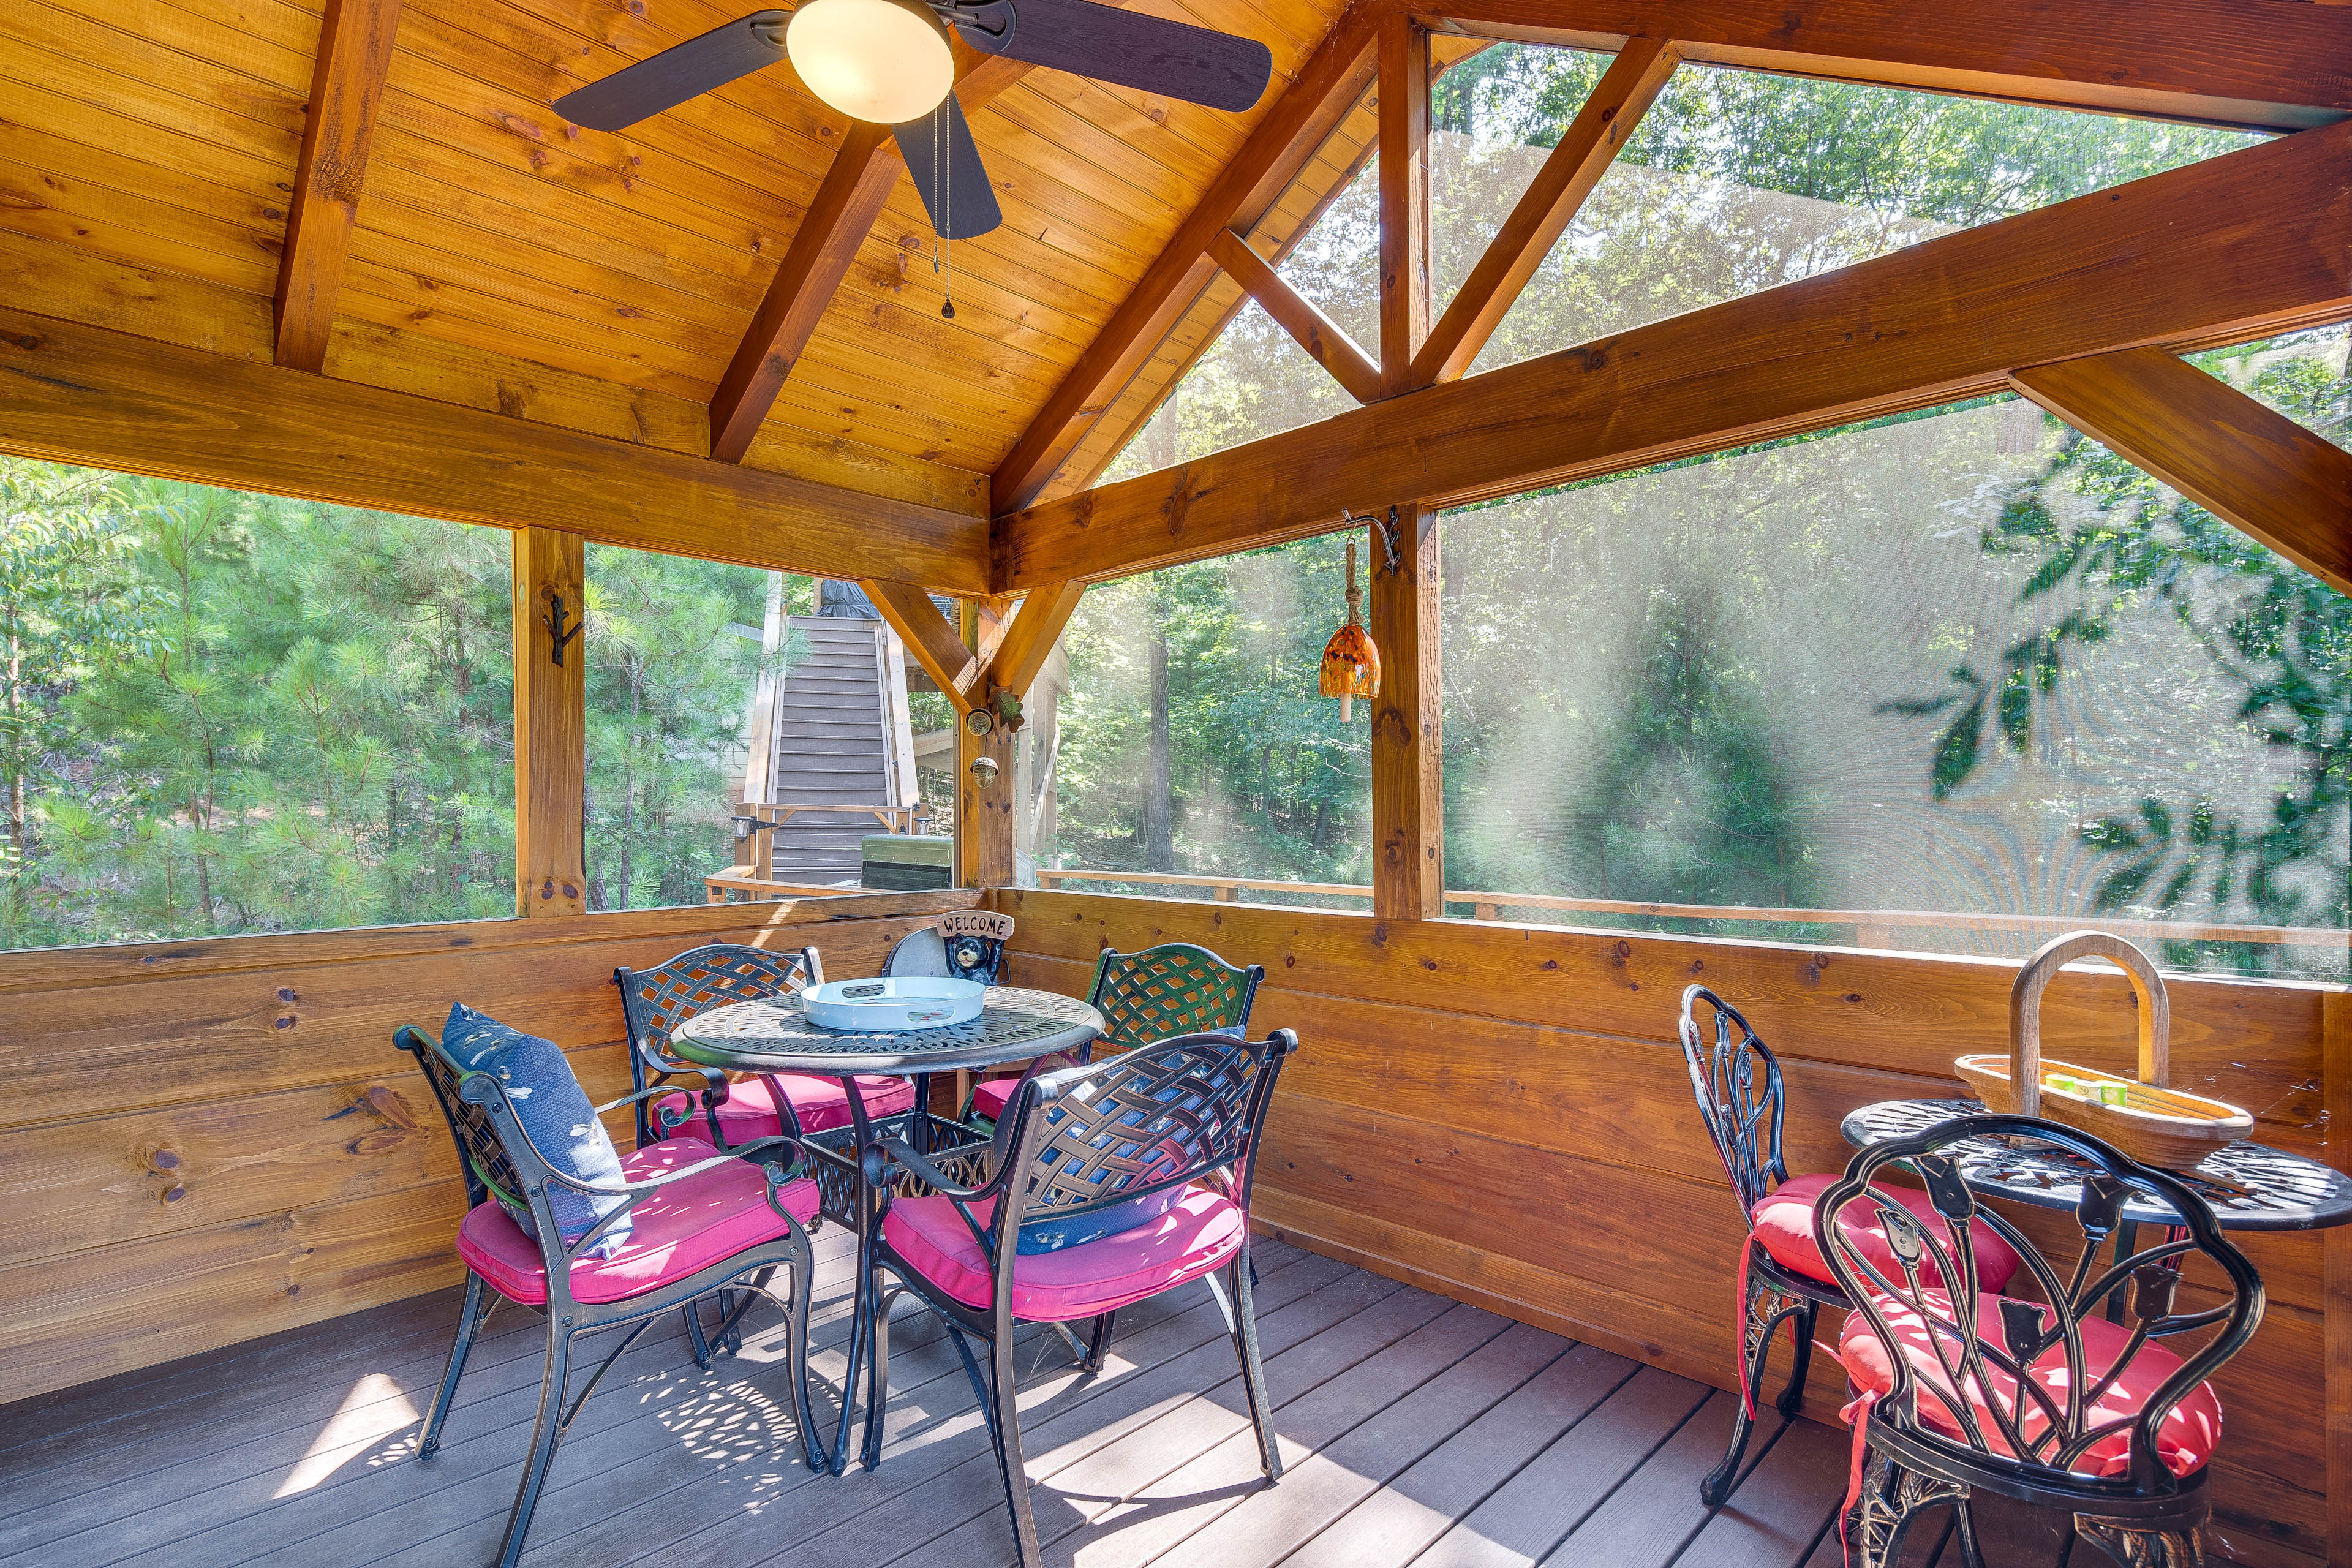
[1544, 211]
[934, 643]
[1403, 151]
[1325, 342]
[2276, 67]
[354, 57]
[1408, 788]
[1030, 642]
[2336, 1104]
[864, 172]
[2236, 248]
[984, 807]
[2258, 471]
[551, 724]
[1319, 97]
[74, 394]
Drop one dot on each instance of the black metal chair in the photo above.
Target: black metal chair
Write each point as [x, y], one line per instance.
[697, 1231]
[2049, 1402]
[1155, 993]
[1782, 1276]
[657, 1000]
[1185, 1114]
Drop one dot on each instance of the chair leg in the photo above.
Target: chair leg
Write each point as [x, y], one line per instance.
[1261, 1404]
[2135, 1548]
[1098, 1343]
[800, 1278]
[695, 1337]
[1003, 1388]
[544, 1437]
[471, 1315]
[1792, 1398]
[1761, 1314]
[878, 1379]
[1882, 1516]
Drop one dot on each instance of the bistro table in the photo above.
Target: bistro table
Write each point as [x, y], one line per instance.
[771, 1036]
[2248, 1185]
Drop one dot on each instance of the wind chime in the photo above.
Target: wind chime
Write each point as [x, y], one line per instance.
[1351, 665]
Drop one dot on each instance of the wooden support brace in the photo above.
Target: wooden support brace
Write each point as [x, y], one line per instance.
[1030, 641]
[1325, 341]
[1321, 94]
[1408, 789]
[2256, 469]
[1404, 195]
[935, 645]
[550, 720]
[1545, 210]
[355, 40]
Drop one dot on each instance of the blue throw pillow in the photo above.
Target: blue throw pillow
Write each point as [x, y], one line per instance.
[555, 1114]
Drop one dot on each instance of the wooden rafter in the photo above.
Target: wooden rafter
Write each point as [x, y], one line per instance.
[1545, 210]
[1403, 154]
[2255, 468]
[864, 172]
[74, 394]
[2159, 261]
[1325, 342]
[354, 55]
[2274, 66]
[1323, 91]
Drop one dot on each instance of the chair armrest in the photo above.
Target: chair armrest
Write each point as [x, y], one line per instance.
[757, 1152]
[883, 1153]
[717, 1086]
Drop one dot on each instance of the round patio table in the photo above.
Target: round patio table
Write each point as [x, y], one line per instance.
[771, 1036]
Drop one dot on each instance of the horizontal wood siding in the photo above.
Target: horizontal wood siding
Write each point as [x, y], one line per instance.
[1500, 1113]
[210, 1140]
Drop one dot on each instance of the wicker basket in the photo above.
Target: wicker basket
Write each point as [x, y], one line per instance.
[2158, 1125]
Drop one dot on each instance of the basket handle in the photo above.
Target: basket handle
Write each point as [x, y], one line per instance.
[2026, 1010]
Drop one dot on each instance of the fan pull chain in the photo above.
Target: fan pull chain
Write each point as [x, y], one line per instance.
[943, 181]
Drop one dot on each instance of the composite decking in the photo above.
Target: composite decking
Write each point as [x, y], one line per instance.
[1416, 1430]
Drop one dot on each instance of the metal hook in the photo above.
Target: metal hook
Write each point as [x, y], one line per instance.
[1388, 532]
[554, 624]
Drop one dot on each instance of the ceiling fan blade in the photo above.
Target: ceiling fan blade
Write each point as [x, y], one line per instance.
[1147, 53]
[947, 173]
[679, 72]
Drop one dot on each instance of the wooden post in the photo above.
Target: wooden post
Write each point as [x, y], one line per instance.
[551, 708]
[2335, 1101]
[983, 836]
[1408, 790]
[1404, 195]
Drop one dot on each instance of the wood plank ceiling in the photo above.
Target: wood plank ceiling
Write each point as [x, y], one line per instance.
[505, 258]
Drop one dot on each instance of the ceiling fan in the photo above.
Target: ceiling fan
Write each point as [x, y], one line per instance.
[888, 62]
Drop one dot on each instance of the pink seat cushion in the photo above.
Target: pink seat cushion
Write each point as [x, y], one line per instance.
[1784, 1225]
[1201, 1233]
[989, 1099]
[2185, 1438]
[680, 1230]
[821, 1103]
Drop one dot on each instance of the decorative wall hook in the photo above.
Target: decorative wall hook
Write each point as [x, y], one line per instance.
[1388, 533]
[554, 624]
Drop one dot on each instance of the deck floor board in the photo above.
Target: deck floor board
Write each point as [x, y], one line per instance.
[1414, 1430]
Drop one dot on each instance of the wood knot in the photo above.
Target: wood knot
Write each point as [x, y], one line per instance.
[164, 1160]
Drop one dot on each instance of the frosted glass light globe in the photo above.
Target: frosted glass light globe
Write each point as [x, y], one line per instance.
[879, 61]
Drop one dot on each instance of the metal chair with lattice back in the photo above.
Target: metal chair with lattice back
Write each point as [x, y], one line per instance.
[1154, 993]
[1782, 1276]
[656, 1000]
[702, 1226]
[1961, 1388]
[1176, 1125]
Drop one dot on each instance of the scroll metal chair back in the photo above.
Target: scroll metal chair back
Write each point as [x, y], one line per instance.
[1077, 1141]
[656, 1000]
[1736, 1079]
[2043, 1401]
[500, 1160]
[1159, 993]
[964, 944]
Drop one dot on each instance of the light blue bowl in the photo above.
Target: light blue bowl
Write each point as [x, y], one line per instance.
[888, 1006]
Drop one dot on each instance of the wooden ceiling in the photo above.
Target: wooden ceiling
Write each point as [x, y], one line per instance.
[504, 257]
[454, 240]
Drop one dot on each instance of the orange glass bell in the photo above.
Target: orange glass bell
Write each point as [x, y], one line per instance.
[1351, 665]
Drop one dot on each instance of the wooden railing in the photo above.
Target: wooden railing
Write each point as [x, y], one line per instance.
[1873, 928]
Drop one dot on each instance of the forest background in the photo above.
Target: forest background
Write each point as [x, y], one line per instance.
[1960, 660]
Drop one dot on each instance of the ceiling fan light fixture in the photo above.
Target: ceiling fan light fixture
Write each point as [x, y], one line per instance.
[887, 61]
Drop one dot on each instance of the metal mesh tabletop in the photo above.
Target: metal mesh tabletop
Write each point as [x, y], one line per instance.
[774, 1036]
[2251, 1187]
